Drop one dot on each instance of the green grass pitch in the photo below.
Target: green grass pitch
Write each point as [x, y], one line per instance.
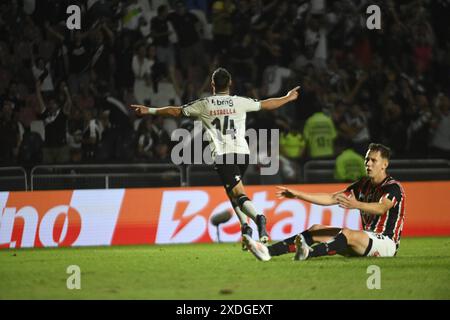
[222, 271]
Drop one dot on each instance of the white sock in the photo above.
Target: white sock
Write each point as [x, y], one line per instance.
[241, 216]
[249, 209]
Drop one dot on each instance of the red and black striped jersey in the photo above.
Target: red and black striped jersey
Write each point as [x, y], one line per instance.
[391, 222]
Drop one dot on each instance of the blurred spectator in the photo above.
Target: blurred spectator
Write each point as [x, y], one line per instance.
[292, 144]
[319, 133]
[161, 128]
[315, 38]
[162, 153]
[242, 16]
[273, 78]
[79, 55]
[13, 95]
[99, 9]
[222, 11]
[106, 144]
[75, 121]
[54, 113]
[142, 65]
[147, 139]
[270, 50]
[338, 114]
[9, 134]
[243, 53]
[292, 150]
[423, 46]
[74, 140]
[305, 58]
[349, 166]
[440, 134]
[124, 52]
[356, 120]
[151, 136]
[190, 48]
[59, 59]
[393, 128]
[418, 131]
[31, 148]
[163, 92]
[91, 135]
[84, 100]
[162, 32]
[202, 5]
[163, 37]
[131, 15]
[102, 61]
[118, 137]
[309, 103]
[42, 72]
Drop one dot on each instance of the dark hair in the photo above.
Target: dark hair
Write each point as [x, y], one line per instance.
[221, 78]
[385, 152]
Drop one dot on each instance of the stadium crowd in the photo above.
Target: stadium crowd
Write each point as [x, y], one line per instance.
[64, 94]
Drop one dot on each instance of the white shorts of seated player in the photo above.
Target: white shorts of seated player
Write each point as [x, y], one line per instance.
[382, 246]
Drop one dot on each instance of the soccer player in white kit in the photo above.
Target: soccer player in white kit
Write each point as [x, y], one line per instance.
[224, 116]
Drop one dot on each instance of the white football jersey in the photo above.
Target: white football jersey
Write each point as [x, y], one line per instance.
[223, 116]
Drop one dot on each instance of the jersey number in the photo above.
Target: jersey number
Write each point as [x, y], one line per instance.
[225, 130]
[323, 142]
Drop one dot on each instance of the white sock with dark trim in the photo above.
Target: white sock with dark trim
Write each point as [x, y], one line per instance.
[249, 209]
[241, 216]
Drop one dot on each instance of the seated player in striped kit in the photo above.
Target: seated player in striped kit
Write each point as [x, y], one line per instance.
[381, 202]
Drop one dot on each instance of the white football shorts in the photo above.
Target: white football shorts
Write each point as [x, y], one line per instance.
[382, 246]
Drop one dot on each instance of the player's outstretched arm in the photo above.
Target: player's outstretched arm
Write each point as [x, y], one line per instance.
[171, 111]
[324, 199]
[274, 103]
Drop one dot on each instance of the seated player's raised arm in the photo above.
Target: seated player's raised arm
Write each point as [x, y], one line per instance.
[324, 199]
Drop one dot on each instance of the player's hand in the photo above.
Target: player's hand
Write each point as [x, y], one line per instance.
[293, 94]
[284, 192]
[139, 109]
[335, 195]
[347, 201]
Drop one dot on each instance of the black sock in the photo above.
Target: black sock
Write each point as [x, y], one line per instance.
[288, 244]
[282, 247]
[338, 245]
[246, 229]
[308, 237]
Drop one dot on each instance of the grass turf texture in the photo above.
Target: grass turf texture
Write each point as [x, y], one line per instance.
[222, 271]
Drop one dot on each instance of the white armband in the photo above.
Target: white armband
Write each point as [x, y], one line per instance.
[152, 110]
